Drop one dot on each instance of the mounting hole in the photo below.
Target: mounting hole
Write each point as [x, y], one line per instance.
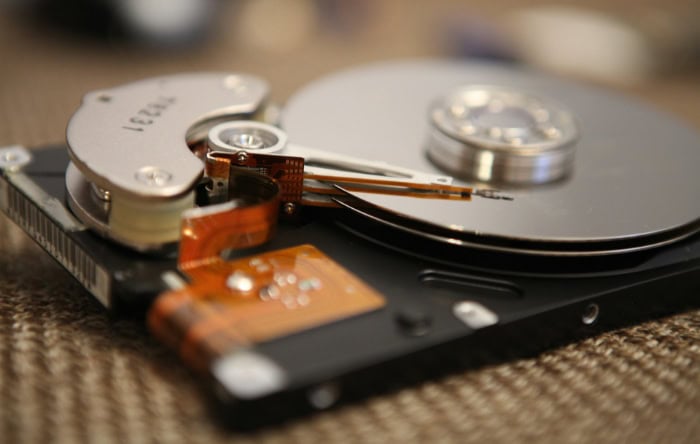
[590, 314]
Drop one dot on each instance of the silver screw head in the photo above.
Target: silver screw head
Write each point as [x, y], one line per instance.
[14, 158]
[242, 157]
[153, 176]
[289, 208]
[101, 193]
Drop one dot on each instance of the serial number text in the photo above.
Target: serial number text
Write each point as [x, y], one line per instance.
[149, 114]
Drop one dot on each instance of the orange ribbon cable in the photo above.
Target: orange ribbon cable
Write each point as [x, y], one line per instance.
[232, 304]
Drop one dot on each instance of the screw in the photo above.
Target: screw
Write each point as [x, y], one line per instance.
[101, 193]
[458, 111]
[242, 157]
[549, 131]
[153, 176]
[495, 132]
[289, 208]
[468, 129]
[14, 158]
[10, 157]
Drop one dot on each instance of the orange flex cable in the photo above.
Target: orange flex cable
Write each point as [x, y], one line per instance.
[248, 220]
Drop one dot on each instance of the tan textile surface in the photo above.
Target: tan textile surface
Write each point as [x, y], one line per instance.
[70, 373]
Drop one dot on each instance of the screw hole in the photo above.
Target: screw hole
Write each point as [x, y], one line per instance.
[324, 396]
[590, 314]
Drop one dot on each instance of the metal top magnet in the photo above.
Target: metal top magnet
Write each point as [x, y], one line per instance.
[133, 139]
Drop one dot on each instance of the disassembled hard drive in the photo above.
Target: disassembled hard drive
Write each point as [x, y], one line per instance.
[393, 212]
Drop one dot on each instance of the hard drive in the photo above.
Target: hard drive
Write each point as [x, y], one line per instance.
[388, 222]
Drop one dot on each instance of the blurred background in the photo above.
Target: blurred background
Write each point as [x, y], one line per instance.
[53, 51]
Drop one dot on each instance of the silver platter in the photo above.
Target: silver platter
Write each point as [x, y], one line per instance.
[633, 184]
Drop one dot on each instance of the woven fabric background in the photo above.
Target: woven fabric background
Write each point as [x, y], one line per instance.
[71, 373]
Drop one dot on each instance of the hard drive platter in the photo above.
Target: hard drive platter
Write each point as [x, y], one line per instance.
[632, 183]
